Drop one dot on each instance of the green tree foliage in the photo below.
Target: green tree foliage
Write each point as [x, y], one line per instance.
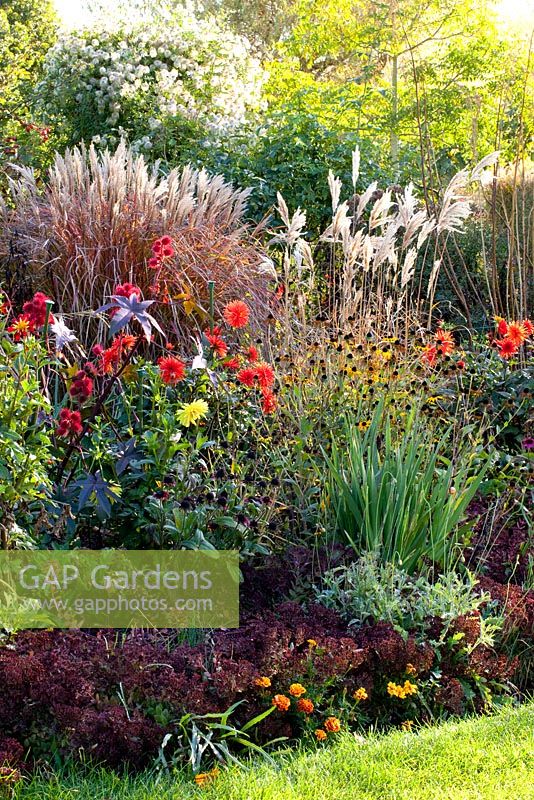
[27, 30]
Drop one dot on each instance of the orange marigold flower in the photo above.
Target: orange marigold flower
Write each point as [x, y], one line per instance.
[320, 735]
[247, 376]
[410, 669]
[297, 690]
[333, 725]
[264, 682]
[172, 370]
[507, 348]
[517, 333]
[305, 705]
[360, 694]
[281, 702]
[265, 375]
[444, 342]
[529, 327]
[236, 314]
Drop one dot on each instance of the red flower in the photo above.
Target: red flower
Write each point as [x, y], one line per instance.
[265, 375]
[507, 348]
[430, 355]
[252, 355]
[167, 251]
[126, 290]
[517, 333]
[216, 341]
[444, 342]
[70, 423]
[529, 327]
[5, 304]
[154, 262]
[502, 326]
[21, 327]
[232, 363]
[247, 376]
[81, 387]
[157, 247]
[165, 241]
[35, 310]
[460, 364]
[172, 370]
[236, 314]
[269, 402]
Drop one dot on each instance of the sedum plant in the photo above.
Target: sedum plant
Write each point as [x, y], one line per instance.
[401, 494]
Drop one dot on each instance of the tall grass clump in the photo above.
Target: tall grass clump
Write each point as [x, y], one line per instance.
[401, 494]
[380, 257]
[92, 224]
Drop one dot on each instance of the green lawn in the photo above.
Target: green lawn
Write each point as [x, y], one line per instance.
[488, 758]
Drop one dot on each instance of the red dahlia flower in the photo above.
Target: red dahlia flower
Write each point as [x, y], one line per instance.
[517, 333]
[507, 348]
[502, 326]
[269, 402]
[21, 327]
[247, 376]
[172, 370]
[265, 375]
[252, 355]
[430, 355]
[216, 341]
[237, 314]
[444, 342]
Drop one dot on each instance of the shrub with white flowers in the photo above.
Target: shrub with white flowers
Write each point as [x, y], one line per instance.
[131, 78]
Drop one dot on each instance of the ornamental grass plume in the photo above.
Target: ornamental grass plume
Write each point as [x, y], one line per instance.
[96, 221]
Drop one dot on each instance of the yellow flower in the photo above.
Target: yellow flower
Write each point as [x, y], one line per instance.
[311, 643]
[297, 690]
[191, 413]
[395, 690]
[360, 694]
[363, 425]
[407, 725]
[410, 669]
[264, 682]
